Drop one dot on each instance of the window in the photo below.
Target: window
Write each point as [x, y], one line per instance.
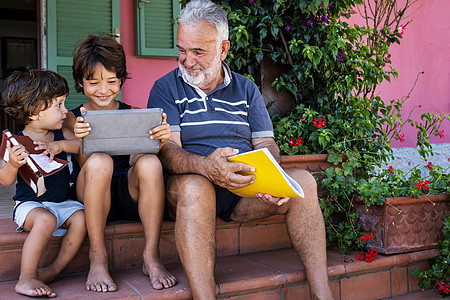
[70, 21]
[156, 28]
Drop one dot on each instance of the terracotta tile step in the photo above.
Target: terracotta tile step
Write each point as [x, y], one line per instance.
[274, 274]
[125, 243]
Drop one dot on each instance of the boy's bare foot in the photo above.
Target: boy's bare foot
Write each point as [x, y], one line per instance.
[31, 286]
[47, 274]
[99, 280]
[159, 276]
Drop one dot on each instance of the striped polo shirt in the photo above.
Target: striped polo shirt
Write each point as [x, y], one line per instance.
[229, 116]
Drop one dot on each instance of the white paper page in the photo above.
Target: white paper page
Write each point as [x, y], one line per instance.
[44, 164]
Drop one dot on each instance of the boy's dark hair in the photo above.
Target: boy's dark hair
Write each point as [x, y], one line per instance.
[95, 49]
[31, 91]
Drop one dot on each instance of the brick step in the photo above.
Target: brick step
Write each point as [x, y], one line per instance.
[125, 244]
[276, 274]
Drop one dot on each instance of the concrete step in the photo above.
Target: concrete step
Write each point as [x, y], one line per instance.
[125, 243]
[276, 274]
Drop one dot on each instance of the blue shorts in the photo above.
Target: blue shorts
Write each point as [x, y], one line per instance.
[61, 210]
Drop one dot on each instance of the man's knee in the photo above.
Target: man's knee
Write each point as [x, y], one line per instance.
[190, 191]
[305, 179]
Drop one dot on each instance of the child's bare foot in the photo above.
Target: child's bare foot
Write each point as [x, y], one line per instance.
[47, 274]
[99, 280]
[31, 286]
[159, 276]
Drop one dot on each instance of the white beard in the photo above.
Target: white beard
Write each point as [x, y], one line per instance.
[206, 76]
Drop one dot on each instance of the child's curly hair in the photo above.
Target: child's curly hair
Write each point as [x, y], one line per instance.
[95, 49]
[31, 91]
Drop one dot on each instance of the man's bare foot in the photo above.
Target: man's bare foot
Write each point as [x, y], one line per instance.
[31, 286]
[99, 280]
[159, 276]
[47, 274]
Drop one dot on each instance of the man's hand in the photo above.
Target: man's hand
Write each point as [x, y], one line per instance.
[50, 148]
[17, 155]
[223, 173]
[161, 132]
[81, 129]
[268, 199]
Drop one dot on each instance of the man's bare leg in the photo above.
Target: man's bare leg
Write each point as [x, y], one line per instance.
[94, 190]
[146, 183]
[192, 197]
[305, 226]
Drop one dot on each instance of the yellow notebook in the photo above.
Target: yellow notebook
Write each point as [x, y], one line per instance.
[270, 177]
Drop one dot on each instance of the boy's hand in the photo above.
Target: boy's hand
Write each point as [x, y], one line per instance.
[81, 129]
[17, 155]
[51, 148]
[161, 132]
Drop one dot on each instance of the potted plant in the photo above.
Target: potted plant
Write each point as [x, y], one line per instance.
[332, 70]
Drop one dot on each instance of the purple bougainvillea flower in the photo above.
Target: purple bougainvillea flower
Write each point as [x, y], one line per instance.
[324, 19]
[320, 6]
[309, 23]
[251, 2]
[339, 57]
[288, 27]
[329, 5]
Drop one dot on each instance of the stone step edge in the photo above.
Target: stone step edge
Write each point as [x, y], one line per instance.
[10, 239]
[266, 282]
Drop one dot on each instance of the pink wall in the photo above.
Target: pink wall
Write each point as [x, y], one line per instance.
[425, 47]
[144, 71]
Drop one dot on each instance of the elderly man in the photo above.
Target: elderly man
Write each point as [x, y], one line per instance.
[215, 113]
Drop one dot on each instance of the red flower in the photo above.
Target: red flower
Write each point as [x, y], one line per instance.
[441, 133]
[419, 184]
[425, 186]
[444, 287]
[296, 142]
[369, 256]
[401, 137]
[366, 236]
[391, 170]
[430, 165]
[319, 122]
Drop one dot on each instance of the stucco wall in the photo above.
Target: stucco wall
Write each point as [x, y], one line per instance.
[425, 47]
[144, 71]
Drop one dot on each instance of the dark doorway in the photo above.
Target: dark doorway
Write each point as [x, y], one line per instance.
[19, 39]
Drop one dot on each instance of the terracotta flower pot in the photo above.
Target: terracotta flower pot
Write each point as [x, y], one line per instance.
[314, 163]
[404, 224]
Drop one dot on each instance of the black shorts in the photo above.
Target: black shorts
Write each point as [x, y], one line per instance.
[226, 201]
[123, 207]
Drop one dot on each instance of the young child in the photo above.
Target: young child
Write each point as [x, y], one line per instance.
[35, 98]
[115, 187]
